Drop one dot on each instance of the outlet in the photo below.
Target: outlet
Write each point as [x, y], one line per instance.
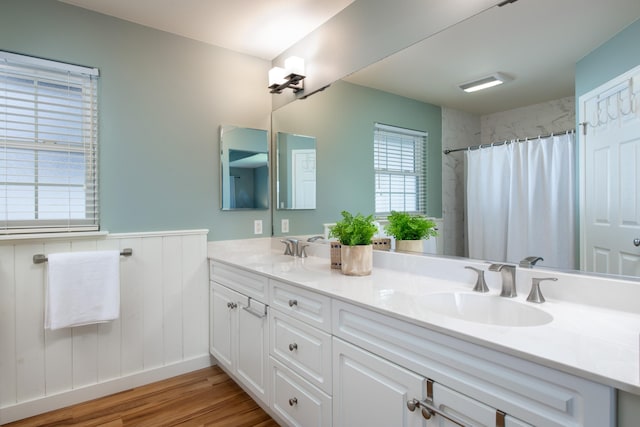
[257, 226]
[284, 225]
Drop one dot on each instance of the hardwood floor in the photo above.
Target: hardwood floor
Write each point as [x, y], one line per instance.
[207, 397]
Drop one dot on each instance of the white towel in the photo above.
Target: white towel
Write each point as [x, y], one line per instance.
[83, 288]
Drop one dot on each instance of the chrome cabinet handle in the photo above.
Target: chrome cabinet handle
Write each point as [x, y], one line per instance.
[293, 401]
[293, 302]
[636, 242]
[232, 305]
[293, 346]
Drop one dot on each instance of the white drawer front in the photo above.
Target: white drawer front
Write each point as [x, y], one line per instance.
[245, 282]
[304, 349]
[298, 402]
[302, 304]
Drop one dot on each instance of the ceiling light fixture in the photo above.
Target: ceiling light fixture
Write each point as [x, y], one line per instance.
[291, 76]
[485, 82]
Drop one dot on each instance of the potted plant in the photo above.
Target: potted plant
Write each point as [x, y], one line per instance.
[410, 230]
[354, 234]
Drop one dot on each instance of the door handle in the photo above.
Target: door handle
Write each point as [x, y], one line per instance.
[636, 241]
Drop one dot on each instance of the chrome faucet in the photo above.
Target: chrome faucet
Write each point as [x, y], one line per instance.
[508, 273]
[295, 247]
[314, 238]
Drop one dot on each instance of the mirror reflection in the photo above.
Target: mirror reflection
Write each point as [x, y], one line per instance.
[296, 171]
[347, 173]
[244, 166]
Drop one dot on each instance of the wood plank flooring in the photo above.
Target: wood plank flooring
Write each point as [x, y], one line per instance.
[207, 397]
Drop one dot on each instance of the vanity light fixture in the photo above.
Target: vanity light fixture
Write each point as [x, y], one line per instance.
[485, 82]
[291, 76]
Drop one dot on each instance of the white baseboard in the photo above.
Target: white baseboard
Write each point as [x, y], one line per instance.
[49, 403]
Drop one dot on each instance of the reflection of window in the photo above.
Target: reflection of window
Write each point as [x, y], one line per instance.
[400, 158]
[48, 146]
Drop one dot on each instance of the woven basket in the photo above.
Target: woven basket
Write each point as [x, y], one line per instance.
[381, 244]
[336, 257]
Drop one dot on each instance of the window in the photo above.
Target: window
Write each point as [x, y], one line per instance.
[48, 146]
[400, 158]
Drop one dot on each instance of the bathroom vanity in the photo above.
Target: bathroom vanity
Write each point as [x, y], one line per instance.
[317, 348]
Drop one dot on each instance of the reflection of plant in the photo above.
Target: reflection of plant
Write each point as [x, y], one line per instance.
[403, 226]
[354, 230]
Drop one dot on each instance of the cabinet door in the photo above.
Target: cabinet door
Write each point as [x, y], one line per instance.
[370, 391]
[223, 307]
[253, 348]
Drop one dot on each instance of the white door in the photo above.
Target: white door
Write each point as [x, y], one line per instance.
[253, 348]
[610, 177]
[303, 180]
[223, 305]
[370, 391]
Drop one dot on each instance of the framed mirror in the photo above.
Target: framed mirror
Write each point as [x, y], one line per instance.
[296, 171]
[244, 167]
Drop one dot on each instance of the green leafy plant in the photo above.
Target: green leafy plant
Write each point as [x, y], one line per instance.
[403, 226]
[354, 230]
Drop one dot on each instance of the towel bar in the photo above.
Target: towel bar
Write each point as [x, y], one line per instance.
[40, 258]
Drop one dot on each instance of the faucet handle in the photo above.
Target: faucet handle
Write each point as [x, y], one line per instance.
[530, 261]
[481, 285]
[302, 250]
[287, 247]
[535, 295]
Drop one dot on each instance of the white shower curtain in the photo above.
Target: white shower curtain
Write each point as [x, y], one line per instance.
[521, 201]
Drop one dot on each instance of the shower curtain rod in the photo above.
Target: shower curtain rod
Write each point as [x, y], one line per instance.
[496, 144]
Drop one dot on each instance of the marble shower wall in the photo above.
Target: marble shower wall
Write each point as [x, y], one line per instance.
[460, 130]
[527, 122]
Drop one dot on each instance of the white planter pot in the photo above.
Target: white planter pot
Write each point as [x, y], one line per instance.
[410, 246]
[356, 260]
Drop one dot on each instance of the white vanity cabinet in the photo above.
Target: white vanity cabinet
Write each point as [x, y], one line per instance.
[239, 332]
[318, 361]
[300, 354]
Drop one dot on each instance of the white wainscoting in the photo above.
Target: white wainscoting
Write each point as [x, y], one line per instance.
[162, 329]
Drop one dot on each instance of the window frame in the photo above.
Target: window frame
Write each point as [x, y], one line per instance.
[390, 163]
[32, 94]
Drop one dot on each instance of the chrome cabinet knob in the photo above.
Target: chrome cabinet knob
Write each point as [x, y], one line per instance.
[636, 242]
[412, 404]
[293, 346]
[293, 302]
[293, 401]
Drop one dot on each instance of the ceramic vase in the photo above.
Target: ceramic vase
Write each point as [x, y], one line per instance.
[356, 260]
[410, 246]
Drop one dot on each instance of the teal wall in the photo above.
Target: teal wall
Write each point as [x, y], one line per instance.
[342, 119]
[613, 58]
[162, 101]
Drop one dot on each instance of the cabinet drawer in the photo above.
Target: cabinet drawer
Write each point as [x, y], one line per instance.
[245, 282]
[308, 306]
[297, 401]
[304, 349]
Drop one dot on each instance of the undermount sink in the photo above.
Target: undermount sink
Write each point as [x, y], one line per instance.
[488, 309]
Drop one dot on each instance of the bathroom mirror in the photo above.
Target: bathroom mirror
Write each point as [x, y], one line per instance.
[296, 171]
[244, 168]
[343, 189]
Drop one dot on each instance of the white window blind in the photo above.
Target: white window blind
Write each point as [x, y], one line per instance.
[400, 159]
[48, 146]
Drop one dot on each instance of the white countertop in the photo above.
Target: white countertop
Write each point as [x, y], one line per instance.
[594, 342]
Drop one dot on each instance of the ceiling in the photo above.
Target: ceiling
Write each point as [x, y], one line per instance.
[262, 28]
[536, 42]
